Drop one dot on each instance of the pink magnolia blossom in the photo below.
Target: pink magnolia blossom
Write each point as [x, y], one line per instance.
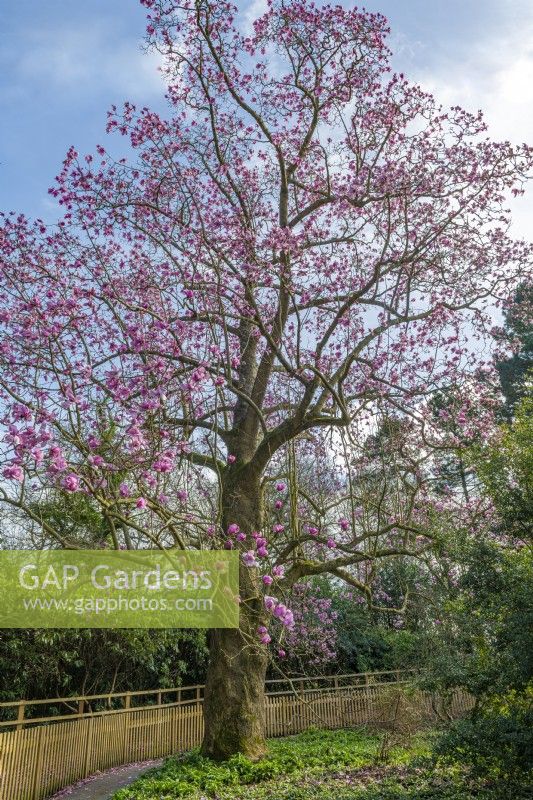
[13, 472]
[71, 483]
[164, 464]
[270, 603]
[249, 558]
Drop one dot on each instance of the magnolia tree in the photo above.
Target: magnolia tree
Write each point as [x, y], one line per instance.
[306, 240]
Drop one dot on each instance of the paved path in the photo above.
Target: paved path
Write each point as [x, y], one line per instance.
[105, 784]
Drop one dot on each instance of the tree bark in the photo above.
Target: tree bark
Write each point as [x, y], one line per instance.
[234, 703]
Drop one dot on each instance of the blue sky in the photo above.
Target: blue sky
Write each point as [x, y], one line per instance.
[63, 63]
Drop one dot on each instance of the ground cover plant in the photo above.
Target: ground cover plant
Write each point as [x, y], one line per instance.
[318, 765]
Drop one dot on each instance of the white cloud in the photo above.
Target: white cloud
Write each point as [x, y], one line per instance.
[495, 76]
[252, 11]
[72, 59]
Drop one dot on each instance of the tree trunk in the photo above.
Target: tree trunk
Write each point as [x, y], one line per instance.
[234, 703]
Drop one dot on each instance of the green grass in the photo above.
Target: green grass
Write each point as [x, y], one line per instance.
[316, 765]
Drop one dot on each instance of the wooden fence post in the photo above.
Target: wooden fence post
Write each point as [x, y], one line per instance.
[88, 746]
[20, 714]
[126, 723]
[38, 766]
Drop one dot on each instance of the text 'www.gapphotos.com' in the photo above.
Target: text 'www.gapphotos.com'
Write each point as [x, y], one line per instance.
[113, 605]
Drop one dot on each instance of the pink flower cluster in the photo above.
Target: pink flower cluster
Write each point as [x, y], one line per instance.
[279, 611]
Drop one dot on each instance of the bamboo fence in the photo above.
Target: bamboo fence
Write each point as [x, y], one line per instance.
[84, 735]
